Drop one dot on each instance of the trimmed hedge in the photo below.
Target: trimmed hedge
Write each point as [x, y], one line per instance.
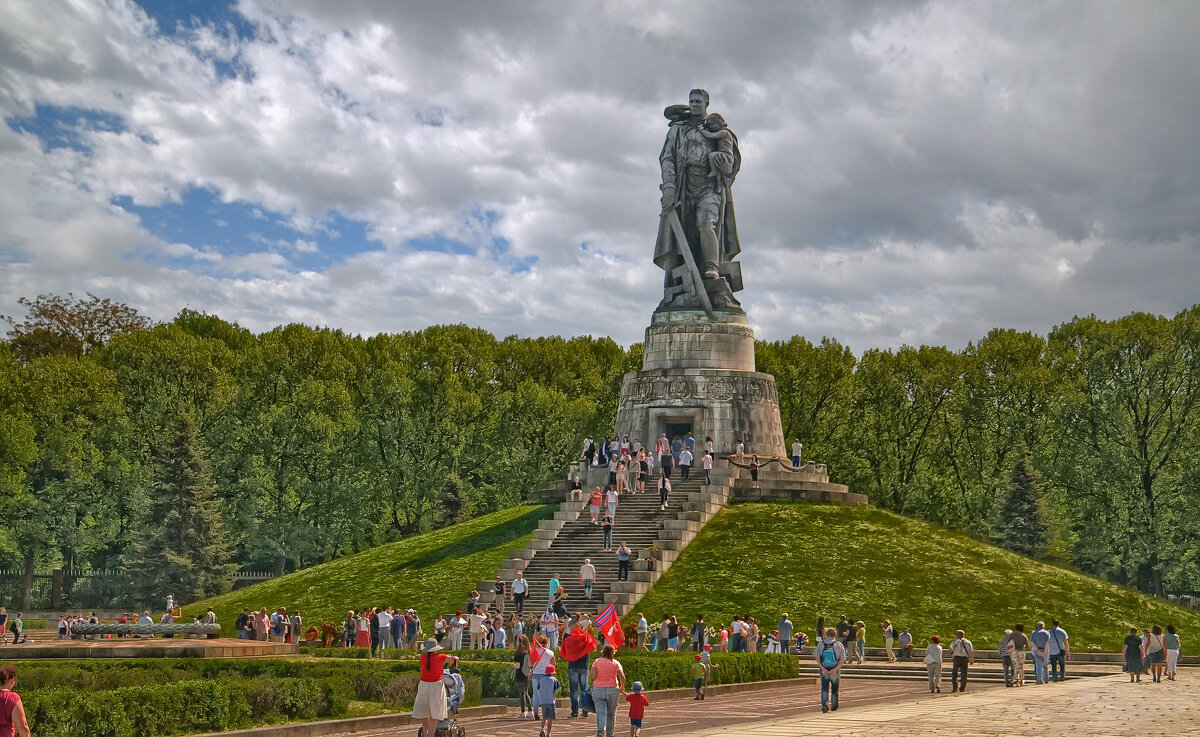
[183, 708]
[168, 696]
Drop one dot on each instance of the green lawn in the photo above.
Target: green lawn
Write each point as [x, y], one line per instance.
[811, 560]
[432, 572]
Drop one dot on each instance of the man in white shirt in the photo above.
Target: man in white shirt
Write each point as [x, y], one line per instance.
[1060, 651]
[706, 463]
[685, 462]
[478, 631]
[737, 635]
[643, 629]
[385, 628]
[964, 655]
[519, 588]
[456, 630]
[796, 448]
[587, 576]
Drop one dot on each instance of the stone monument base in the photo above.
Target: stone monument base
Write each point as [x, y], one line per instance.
[698, 376]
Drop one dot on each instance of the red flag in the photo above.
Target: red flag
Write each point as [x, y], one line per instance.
[615, 636]
[535, 652]
[610, 625]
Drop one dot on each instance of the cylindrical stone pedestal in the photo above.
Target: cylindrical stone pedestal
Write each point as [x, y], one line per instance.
[698, 375]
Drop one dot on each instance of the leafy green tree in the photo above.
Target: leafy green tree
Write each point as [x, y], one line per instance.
[897, 415]
[70, 326]
[1000, 411]
[18, 446]
[1128, 417]
[815, 386]
[285, 468]
[70, 487]
[184, 549]
[454, 502]
[1021, 525]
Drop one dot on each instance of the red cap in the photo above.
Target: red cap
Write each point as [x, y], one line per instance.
[707, 646]
[459, 611]
[550, 669]
[697, 656]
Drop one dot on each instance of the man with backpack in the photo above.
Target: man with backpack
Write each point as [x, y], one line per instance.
[831, 655]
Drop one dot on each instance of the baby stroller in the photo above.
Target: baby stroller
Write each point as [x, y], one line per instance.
[456, 690]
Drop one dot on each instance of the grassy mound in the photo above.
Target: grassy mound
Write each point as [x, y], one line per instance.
[811, 560]
[431, 572]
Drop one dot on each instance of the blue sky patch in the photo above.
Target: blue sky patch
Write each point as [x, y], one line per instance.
[204, 222]
[180, 16]
[65, 127]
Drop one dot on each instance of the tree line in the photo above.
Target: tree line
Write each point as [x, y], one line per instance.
[302, 444]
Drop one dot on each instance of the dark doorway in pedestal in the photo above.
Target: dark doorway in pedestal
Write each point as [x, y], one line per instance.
[677, 430]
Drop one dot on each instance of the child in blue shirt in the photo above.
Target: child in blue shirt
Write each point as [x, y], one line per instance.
[544, 691]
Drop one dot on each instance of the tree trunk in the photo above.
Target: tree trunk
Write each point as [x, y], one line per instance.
[27, 579]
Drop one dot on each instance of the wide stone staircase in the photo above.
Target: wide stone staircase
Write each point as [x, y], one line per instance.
[560, 544]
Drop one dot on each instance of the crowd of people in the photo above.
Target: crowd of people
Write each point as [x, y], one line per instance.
[14, 626]
[595, 686]
[631, 465]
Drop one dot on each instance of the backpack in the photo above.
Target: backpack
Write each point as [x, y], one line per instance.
[828, 656]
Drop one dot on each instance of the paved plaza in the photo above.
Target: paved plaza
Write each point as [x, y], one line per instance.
[1107, 705]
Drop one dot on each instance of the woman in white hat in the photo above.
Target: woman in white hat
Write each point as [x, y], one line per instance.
[430, 704]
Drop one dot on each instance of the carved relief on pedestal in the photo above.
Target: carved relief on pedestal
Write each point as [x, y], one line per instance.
[642, 390]
[720, 389]
[681, 388]
[689, 328]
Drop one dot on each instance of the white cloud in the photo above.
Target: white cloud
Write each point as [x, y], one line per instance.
[914, 172]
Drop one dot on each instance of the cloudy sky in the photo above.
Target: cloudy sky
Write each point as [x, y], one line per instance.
[914, 172]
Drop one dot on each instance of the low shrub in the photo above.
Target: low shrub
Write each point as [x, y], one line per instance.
[182, 708]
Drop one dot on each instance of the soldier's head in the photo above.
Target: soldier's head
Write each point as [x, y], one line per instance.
[698, 102]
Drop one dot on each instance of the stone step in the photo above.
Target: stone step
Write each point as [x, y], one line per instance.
[630, 587]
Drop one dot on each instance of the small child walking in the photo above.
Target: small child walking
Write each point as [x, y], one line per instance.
[637, 709]
[545, 689]
[699, 671]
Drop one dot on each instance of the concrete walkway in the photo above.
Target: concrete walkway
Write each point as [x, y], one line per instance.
[1108, 706]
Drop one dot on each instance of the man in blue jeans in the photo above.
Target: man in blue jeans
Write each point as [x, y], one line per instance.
[1039, 646]
[785, 634]
[831, 655]
[1060, 651]
[577, 670]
